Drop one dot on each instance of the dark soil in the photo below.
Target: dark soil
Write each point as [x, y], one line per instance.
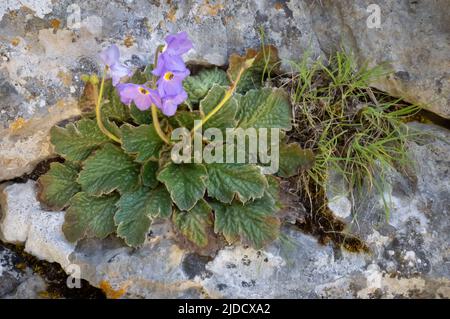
[54, 276]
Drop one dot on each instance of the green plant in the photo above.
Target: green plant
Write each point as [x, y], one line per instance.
[355, 131]
[119, 175]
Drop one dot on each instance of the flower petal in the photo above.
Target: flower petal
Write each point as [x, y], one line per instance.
[110, 55]
[143, 102]
[127, 92]
[118, 71]
[170, 103]
[178, 44]
[167, 62]
[172, 86]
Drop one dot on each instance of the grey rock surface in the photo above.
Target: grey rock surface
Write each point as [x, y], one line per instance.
[23, 221]
[15, 281]
[413, 39]
[408, 258]
[46, 46]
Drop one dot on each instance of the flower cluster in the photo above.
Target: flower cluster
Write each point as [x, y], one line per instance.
[170, 70]
[117, 70]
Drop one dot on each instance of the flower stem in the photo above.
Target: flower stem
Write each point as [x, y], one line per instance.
[158, 126]
[98, 115]
[225, 99]
[155, 119]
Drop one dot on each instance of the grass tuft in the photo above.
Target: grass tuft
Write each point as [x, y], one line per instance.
[353, 129]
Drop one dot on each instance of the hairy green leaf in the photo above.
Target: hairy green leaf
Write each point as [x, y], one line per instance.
[90, 216]
[266, 61]
[185, 183]
[227, 180]
[184, 119]
[253, 222]
[197, 86]
[273, 190]
[293, 158]
[135, 211]
[226, 116]
[112, 127]
[142, 141]
[58, 185]
[148, 173]
[107, 170]
[265, 108]
[140, 117]
[112, 107]
[77, 140]
[193, 224]
[139, 77]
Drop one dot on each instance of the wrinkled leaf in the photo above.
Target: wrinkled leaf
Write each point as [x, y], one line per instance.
[140, 117]
[148, 173]
[112, 127]
[253, 222]
[265, 108]
[142, 141]
[90, 216]
[273, 190]
[226, 116]
[58, 185]
[193, 224]
[197, 86]
[185, 183]
[112, 107]
[77, 140]
[107, 170]
[227, 180]
[138, 77]
[293, 158]
[135, 211]
[266, 61]
[184, 119]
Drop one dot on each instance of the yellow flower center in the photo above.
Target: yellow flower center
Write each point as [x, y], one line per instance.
[168, 76]
[143, 91]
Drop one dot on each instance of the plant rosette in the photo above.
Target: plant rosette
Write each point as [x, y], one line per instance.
[156, 144]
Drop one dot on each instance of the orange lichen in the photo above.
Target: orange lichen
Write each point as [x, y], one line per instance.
[278, 5]
[66, 78]
[55, 23]
[129, 41]
[171, 15]
[17, 124]
[210, 9]
[197, 19]
[112, 293]
[15, 42]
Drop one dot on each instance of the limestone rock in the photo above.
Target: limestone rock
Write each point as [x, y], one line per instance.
[24, 221]
[45, 49]
[15, 282]
[408, 253]
[412, 38]
[26, 143]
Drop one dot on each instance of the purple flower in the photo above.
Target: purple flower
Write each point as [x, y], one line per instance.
[171, 82]
[178, 44]
[117, 70]
[168, 62]
[141, 95]
[170, 103]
